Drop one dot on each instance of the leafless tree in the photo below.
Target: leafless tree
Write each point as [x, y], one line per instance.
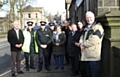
[2, 2]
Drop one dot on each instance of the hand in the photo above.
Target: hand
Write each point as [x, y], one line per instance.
[82, 47]
[77, 44]
[17, 45]
[57, 44]
[20, 45]
[43, 46]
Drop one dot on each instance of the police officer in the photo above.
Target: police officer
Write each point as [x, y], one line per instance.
[28, 46]
[52, 28]
[43, 39]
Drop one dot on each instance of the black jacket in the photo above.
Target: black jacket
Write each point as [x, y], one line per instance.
[43, 37]
[76, 38]
[13, 40]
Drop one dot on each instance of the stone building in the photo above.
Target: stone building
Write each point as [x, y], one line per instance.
[108, 5]
[107, 12]
[4, 24]
[35, 14]
[97, 6]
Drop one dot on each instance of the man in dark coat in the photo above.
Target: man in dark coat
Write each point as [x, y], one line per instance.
[43, 39]
[16, 39]
[66, 30]
[73, 54]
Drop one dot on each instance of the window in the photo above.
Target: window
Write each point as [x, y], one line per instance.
[29, 15]
[36, 15]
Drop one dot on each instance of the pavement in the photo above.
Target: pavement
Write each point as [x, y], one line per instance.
[44, 73]
[3, 39]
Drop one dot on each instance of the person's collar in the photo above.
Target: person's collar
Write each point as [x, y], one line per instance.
[89, 26]
[16, 29]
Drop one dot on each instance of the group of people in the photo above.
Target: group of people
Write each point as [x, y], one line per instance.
[79, 44]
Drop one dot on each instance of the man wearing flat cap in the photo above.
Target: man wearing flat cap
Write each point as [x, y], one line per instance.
[28, 46]
[43, 39]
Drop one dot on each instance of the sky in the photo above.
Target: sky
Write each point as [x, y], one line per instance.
[50, 6]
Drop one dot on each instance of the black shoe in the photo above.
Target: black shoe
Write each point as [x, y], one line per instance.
[56, 67]
[13, 75]
[27, 69]
[74, 74]
[62, 68]
[67, 63]
[32, 67]
[48, 69]
[20, 72]
[39, 69]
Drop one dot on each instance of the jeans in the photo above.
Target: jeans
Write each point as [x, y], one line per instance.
[59, 59]
[31, 54]
[92, 68]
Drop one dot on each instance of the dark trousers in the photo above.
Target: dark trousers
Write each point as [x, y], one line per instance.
[92, 68]
[16, 59]
[59, 59]
[50, 52]
[43, 55]
[31, 55]
[66, 55]
[74, 60]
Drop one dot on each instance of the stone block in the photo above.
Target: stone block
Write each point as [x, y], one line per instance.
[102, 10]
[109, 2]
[114, 9]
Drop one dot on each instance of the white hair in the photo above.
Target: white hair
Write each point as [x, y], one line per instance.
[16, 21]
[90, 13]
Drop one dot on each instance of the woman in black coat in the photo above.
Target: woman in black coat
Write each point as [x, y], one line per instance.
[59, 39]
[80, 64]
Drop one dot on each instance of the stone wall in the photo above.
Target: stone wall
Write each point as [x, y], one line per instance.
[108, 5]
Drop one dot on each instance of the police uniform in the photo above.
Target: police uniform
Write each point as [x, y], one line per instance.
[51, 45]
[43, 37]
[28, 47]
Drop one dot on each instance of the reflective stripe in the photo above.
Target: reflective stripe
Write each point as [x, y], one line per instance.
[36, 46]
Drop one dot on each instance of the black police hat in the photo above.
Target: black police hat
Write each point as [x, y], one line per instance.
[51, 24]
[29, 23]
[42, 23]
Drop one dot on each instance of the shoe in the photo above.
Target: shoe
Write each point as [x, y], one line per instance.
[56, 67]
[39, 69]
[20, 72]
[62, 68]
[32, 67]
[48, 69]
[13, 75]
[67, 63]
[74, 74]
[27, 69]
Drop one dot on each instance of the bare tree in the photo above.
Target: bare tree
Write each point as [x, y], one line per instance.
[2, 2]
[20, 4]
[12, 11]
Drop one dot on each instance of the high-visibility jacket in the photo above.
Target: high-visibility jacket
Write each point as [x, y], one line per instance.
[36, 46]
[27, 40]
